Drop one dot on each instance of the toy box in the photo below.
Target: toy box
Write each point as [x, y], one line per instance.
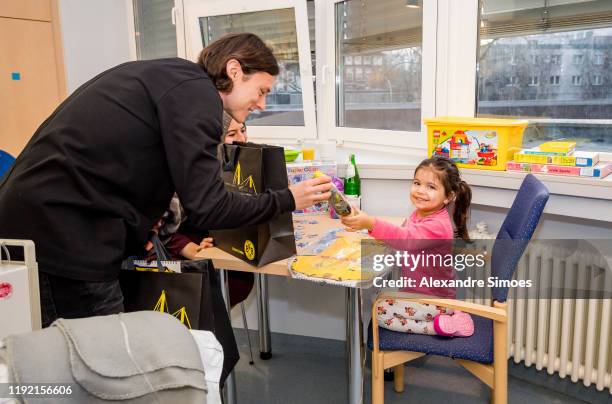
[481, 143]
[297, 172]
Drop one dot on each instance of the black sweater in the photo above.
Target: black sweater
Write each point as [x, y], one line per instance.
[102, 168]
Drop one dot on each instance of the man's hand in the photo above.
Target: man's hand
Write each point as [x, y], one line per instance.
[357, 220]
[309, 192]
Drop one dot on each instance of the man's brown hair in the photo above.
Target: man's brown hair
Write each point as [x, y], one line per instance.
[248, 49]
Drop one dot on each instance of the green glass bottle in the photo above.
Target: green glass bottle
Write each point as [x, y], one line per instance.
[352, 183]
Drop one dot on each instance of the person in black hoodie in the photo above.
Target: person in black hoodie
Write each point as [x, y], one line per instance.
[101, 170]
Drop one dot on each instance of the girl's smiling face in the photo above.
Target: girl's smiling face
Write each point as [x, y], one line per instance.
[427, 193]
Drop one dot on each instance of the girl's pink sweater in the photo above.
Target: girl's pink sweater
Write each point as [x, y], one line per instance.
[412, 237]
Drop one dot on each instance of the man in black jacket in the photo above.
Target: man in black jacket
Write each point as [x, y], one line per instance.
[102, 168]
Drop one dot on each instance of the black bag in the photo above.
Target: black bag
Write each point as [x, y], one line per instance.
[252, 168]
[193, 296]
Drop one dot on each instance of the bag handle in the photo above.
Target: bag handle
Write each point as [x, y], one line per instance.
[159, 248]
[161, 254]
[229, 155]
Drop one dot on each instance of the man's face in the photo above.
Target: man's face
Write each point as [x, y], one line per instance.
[248, 93]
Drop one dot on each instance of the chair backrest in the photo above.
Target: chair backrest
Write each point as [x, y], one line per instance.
[519, 225]
[6, 160]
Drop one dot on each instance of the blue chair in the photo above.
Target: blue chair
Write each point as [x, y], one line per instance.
[485, 353]
[6, 160]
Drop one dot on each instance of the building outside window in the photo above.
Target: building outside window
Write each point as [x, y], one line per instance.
[567, 107]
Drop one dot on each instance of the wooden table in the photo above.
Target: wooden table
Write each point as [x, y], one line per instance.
[307, 227]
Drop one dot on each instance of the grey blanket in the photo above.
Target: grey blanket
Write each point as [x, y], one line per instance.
[142, 357]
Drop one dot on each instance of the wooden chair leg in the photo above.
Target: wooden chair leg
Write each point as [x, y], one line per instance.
[398, 378]
[378, 379]
[500, 360]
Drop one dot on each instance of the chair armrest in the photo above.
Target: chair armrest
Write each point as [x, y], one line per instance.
[493, 313]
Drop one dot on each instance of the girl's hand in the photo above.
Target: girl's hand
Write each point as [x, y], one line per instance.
[357, 220]
[190, 251]
[207, 242]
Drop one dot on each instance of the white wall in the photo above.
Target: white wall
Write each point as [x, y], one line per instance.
[95, 37]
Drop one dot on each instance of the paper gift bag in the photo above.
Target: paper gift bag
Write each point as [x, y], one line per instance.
[252, 168]
[192, 295]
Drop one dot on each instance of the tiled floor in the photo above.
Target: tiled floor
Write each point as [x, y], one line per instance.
[313, 370]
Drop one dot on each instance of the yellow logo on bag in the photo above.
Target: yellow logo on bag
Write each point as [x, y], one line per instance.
[240, 183]
[180, 314]
[249, 249]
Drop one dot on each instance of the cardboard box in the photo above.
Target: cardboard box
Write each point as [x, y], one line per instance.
[600, 170]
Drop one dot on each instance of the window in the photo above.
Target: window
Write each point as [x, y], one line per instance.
[512, 58]
[389, 97]
[348, 60]
[569, 32]
[350, 74]
[155, 33]
[534, 59]
[358, 74]
[512, 81]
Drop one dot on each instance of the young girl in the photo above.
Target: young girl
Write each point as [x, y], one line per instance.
[437, 186]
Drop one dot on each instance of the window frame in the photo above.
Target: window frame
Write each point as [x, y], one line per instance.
[193, 10]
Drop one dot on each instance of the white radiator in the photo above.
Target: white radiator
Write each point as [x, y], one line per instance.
[569, 336]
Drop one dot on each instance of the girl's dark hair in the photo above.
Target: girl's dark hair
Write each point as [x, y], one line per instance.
[248, 49]
[449, 176]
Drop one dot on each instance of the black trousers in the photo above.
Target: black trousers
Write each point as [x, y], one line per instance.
[69, 298]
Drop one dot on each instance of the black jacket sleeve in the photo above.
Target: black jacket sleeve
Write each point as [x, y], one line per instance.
[190, 117]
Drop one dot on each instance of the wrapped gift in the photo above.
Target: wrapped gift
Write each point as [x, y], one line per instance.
[297, 172]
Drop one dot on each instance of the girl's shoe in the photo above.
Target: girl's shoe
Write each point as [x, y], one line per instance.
[458, 324]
